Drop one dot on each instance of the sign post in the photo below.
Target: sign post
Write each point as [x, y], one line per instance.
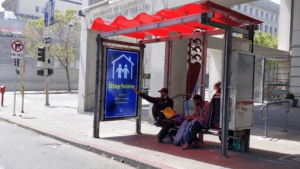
[49, 20]
[17, 48]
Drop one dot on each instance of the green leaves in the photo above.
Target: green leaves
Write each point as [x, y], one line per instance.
[65, 36]
[266, 40]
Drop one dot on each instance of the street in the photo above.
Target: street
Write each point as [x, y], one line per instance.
[21, 148]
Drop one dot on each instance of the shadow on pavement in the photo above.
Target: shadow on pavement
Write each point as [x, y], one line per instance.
[209, 153]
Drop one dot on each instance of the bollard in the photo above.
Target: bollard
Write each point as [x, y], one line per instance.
[2, 91]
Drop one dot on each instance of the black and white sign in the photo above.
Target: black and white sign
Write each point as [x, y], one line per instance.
[17, 48]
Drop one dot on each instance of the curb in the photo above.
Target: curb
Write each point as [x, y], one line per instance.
[118, 156]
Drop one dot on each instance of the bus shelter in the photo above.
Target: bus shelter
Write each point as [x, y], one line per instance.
[119, 63]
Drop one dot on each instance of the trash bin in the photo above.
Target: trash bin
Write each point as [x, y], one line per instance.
[145, 90]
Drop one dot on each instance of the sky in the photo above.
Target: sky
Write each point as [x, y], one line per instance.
[1, 9]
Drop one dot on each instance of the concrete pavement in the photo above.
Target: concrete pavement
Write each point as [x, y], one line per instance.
[119, 140]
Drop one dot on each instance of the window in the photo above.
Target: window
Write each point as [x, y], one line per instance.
[239, 7]
[276, 19]
[262, 14]
[275, 31]
[266, 28]
[42, 10]
[271, 17]
[251, 10]
[267, 16]
[256, 12]
[271, 30]
[37, 9]
[245, 8]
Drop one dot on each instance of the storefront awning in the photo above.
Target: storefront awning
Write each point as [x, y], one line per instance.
[186, 18]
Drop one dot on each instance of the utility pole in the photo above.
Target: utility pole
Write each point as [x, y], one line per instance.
[22, 69]
[48, 53]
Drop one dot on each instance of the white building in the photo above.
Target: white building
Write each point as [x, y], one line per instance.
[264, 10]
[36, 8]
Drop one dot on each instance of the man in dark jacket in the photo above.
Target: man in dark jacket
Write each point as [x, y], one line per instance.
[159, 104]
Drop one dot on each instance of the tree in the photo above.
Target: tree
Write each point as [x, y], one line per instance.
[266, 40]
[65, 38]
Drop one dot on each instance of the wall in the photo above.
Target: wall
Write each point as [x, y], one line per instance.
[295, 51]
[58, 81]
[28, 7]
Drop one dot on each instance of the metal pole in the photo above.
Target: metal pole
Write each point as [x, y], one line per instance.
[262, 80]
[22, 111]
[139, 120]
[14, 113]
[23, 64]
[48, 54]
[169, 65]
[287, 105]
[266, 122]
[203, 68]
[225, 91]
[98, 87]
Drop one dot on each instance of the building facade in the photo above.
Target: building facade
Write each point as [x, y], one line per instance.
[37, 8]
[264, 10]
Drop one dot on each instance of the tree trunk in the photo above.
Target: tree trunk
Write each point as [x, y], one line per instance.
[68, 78]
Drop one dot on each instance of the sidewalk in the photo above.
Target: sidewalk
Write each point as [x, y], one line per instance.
[118, 139]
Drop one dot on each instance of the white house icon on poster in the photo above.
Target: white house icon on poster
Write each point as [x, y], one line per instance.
[122, 70]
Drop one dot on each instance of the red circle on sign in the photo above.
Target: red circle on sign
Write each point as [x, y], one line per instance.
[17, 46]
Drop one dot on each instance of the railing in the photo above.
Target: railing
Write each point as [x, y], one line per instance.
[287, 109]
[182, 95]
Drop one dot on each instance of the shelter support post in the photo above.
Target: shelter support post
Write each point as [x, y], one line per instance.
[98, 87]
[203, 67]
[169, 67]
[139, 120]
[262, 80]
[225, 89]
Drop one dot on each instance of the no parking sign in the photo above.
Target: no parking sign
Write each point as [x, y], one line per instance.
[17, 48]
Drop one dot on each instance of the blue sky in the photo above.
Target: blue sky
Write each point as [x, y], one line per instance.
[1, 9]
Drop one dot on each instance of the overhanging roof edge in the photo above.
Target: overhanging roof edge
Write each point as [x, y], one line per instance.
[155, 25]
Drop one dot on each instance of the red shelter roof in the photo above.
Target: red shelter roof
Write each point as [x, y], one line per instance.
[222, 15]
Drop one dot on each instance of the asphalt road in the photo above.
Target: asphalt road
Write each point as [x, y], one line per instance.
[24, 149]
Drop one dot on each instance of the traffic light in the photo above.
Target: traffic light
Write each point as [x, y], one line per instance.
[50, 71]
[40, 72]
[16, 62]
[45, 72]
[42, 54]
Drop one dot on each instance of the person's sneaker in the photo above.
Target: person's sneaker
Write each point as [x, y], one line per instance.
[196, 143]
[186, 146]
[170, 137]
[159, 139]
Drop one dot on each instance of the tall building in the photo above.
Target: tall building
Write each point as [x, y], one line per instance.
[264, 10]
[37, 8]
[11, 18]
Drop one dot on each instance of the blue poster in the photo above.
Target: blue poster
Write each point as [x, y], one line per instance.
[46, 13]
[122, 76]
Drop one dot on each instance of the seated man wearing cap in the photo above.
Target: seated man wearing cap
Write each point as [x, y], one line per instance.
[159, 104]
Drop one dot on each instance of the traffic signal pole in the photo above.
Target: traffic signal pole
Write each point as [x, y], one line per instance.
[22, 71]
[48, 54]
